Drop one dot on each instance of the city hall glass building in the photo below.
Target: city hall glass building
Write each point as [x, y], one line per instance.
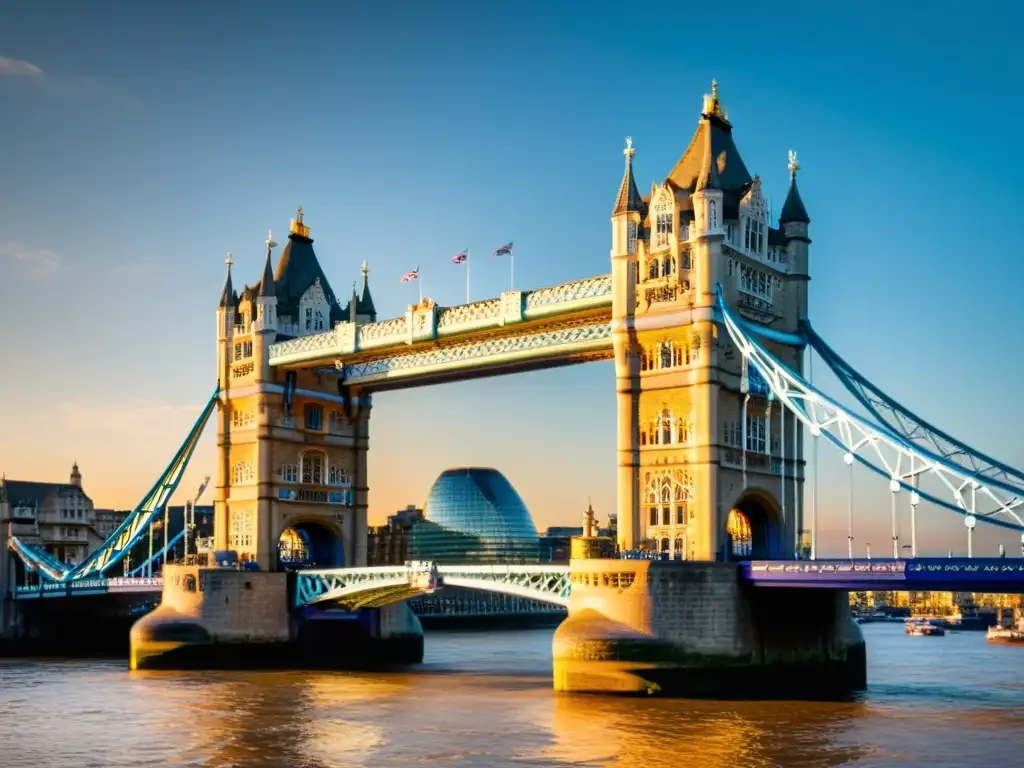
[474, 515]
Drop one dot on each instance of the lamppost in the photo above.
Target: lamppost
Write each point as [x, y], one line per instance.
[848, 458]
[894, 486]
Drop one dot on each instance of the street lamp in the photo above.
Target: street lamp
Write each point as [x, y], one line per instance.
[969, 522]
[915, 499]
[848, 458]
[894, 486]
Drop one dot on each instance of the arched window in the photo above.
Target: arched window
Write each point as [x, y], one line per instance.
[652, 271]
[313, 468]
[666, 427]
[666, 354]
[678, 549]
[664, 545]
[712, 214]
[668, 266]
[631, 237]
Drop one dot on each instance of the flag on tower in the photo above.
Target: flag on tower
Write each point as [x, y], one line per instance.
[408, 277]
[458, 258]
[505, 249]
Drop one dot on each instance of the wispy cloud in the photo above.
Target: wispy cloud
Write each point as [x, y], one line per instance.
[19, 68]
[35, 261]
[68, 85]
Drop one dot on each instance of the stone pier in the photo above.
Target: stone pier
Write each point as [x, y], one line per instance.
[694, 629]
[226, 618]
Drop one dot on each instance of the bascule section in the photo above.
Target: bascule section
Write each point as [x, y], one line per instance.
[709, 468]
[291, 474]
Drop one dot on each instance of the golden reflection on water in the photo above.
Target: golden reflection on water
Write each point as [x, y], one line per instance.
[485, 699]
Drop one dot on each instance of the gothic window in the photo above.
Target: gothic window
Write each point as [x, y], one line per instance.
[289, 473]
[312, 468]
[666, 354]
[678, 549]
[712, 214]
[756, 282]
[631, 237]
[653, 516]
[309, 318]
[666, 515]
[242, 472]
[652, 272]
[314, 309]
[664, 545]
[662, 228]
[668, 266]
[314, 417]
[684, 260]
[666, 427]
[756, 432]
[318, 320]
[753, 234]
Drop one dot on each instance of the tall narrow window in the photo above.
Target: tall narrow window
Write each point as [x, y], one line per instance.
[309, 318]
[313, 468]
[712, 214]
[631, 237]
[314, 417]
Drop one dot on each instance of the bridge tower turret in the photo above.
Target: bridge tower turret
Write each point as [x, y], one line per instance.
[291, 481]
[627, 220]
[794, 221]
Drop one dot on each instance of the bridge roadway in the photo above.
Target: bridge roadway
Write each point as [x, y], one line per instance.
[551, 583]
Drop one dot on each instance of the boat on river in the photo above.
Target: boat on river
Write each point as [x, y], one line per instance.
[924, 628]
[1010, 634]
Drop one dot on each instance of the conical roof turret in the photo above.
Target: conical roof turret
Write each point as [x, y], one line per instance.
[227, 296]
[628, 199]
[793, 209]
[267, 287]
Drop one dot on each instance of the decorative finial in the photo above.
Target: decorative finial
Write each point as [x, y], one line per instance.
[228, 260]
[298, 227]
[299, 215]
[629, 151]
[714, 88]
[366, 268]
[794, 166]
[270, 239]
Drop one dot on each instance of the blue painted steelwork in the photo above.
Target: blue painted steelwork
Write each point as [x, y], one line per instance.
[113, 550]
[993, 575]
[911, 426]
[87, 587]
[158, 556]
[875, 446]
[367, 587]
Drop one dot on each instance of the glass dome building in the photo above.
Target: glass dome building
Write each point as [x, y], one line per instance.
[474, 515]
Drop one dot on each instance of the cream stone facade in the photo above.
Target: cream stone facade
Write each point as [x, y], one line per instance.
[291, 474]
[707, 469]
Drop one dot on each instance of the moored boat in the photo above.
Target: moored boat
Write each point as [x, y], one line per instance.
[924, 627]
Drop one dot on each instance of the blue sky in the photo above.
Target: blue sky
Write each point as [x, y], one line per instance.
[139, 145]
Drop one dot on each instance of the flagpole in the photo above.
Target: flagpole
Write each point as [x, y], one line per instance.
[467, 275]
[419, 283]
[511, 270]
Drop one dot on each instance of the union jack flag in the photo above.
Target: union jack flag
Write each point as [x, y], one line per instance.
[458, 258]
[408, 277]
[504, 250]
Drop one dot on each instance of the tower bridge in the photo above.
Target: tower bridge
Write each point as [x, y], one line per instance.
[704, 314]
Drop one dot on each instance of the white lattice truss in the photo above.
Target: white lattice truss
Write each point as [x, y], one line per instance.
[356, 588]
[904, 463]
[574, 339]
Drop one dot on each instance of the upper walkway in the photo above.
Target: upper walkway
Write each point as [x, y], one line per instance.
[955, 574]
[518, 330]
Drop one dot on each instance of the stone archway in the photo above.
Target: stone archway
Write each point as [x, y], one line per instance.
[753, 529]
[310, 544]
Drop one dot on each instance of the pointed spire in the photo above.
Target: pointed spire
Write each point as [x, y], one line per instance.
[365, 305]
[793, 209]
[227, 296]
[628, 199]
[267, 287]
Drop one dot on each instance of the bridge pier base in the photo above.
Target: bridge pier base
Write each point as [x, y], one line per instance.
[693, 629]
[211, 618]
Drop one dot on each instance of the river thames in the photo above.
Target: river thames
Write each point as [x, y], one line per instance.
[485, 699]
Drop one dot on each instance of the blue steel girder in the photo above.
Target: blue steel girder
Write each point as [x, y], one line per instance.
[907, 424]
[875, 446]
[372, 587]
[121, 541]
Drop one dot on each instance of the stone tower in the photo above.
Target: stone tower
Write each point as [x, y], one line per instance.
[291, 470]
[706, 468]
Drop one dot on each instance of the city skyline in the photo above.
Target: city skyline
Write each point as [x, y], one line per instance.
[129, 357]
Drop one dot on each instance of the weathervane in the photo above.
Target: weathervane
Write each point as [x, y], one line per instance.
[794, 166]
[228, 259]
[629, 151]
[270, 239]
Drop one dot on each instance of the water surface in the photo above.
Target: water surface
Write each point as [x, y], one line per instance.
[485, 699]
